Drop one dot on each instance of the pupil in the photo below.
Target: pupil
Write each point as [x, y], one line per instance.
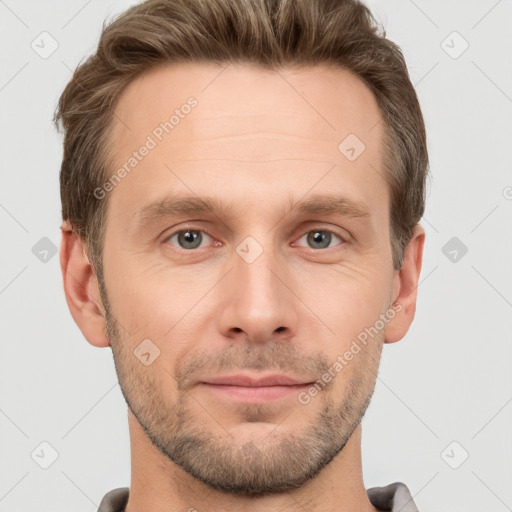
[321, 236]
[190, 237]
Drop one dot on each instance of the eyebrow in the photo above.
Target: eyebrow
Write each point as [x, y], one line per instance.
[320, 204]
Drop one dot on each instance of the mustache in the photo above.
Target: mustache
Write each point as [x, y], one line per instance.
[271, 357]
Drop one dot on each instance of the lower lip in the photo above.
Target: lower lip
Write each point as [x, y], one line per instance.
[255, 394]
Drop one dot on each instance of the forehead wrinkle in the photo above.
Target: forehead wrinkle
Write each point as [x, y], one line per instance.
[301, 160]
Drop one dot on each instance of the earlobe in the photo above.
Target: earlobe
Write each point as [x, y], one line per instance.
[81, 288]
[406, 282]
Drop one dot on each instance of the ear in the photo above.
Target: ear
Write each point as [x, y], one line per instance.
[81, 288]
[405, 286]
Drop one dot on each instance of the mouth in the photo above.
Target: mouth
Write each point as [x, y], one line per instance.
[255, 390]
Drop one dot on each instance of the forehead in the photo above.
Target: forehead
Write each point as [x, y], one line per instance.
[249, 127]
[322, 103]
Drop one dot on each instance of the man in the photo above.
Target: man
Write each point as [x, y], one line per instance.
[242, 183]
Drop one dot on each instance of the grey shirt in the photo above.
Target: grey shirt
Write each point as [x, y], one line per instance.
[394, 498]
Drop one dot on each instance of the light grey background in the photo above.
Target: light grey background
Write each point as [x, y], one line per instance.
[448, 381]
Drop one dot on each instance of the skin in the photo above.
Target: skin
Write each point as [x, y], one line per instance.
[256, 140]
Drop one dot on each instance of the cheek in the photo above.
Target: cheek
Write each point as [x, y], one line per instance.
[154, 300]
[351, 308]
[151, 301]
[346, 300]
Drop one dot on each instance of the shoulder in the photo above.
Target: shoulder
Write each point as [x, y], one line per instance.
[115, 500]
[392, 497]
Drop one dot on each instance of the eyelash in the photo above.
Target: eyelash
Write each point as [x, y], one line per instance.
[322, 230]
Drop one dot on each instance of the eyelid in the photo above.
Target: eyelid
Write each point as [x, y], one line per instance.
[344, 238]
[167, 237]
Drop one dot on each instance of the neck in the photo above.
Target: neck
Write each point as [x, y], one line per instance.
[159, 485]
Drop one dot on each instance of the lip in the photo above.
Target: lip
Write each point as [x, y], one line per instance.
[252, 390]
[248, 381]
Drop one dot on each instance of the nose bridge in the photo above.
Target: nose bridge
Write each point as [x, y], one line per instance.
[256, 262]
[257, 258]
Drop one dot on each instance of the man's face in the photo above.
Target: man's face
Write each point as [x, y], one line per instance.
[259, 287]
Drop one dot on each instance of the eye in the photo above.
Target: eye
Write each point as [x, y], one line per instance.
[320, 238]
[188, 238]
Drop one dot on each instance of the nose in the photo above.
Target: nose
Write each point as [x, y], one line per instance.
[258, 302]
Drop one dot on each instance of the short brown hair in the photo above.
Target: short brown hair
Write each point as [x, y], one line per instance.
[271, 33]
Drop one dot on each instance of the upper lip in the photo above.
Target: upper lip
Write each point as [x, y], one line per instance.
[247, 380]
